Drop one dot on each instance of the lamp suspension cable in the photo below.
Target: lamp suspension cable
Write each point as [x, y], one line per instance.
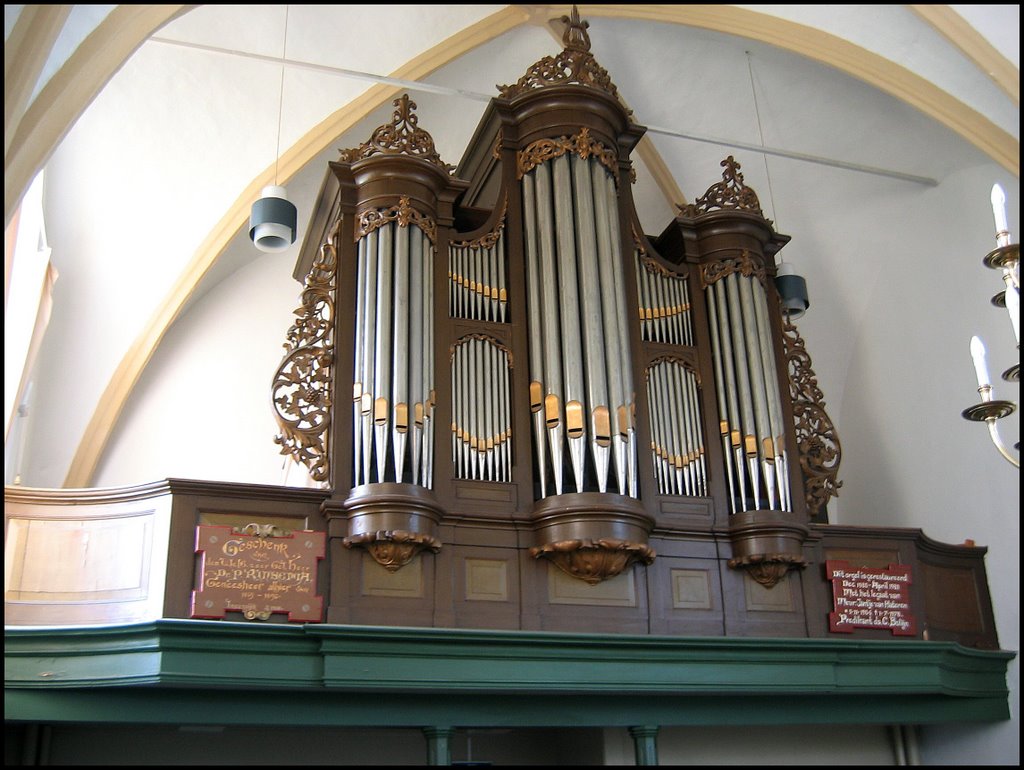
[272, 223]
[280, 95]
[791, 286]
[760, 137]
[462, 93]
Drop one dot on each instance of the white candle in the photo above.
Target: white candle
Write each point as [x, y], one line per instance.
[980, 367]
[1013, 306]
[999, 212]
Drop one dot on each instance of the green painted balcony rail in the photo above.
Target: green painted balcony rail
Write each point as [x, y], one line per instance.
[213, 672]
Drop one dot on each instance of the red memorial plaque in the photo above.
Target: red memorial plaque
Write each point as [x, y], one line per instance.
[258, 575]
[870, 598]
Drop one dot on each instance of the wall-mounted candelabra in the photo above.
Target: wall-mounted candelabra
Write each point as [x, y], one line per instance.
[1006, 258]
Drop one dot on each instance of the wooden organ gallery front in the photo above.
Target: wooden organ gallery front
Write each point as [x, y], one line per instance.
[558, 457]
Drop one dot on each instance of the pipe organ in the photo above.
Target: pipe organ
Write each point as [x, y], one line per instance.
[605, 389]
[526, 415]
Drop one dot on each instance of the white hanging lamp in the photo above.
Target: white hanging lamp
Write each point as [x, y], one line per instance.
[273, 219]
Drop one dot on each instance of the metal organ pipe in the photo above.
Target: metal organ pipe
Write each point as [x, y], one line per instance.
[369, 328]
[416, 310]
[382, 354]
[616, 278]
[777, 431]
[618, 427]
[698, 433]
[720, 391]
[400, 366]
[730, 387]
[427, 452]
[570, 334]
[533, 310]
[748, 393]
[757, 386]
[743, 382]
[550, 326]
[359, 378]
[594, 369]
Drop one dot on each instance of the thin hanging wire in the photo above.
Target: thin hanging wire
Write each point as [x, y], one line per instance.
[280, 97]
[433, 88]
[760, 136]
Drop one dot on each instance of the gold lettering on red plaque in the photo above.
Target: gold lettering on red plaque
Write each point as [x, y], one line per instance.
[258, 575]
[870, 598]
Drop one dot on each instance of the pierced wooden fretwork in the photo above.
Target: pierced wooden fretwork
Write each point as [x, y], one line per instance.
[402, 136]
[301, 389]
[820, 452]
[743, 264]
[402, 212]
[582, 144]
[730, 193]
[574, 65]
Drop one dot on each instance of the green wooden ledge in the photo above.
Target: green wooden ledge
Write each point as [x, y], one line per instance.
[202, 672]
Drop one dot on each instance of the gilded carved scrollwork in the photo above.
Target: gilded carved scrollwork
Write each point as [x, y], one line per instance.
[301, 389]
[743, 264]
[393, 549]
[582, 144]
[594, 560]
[402, 136]
[730, 193]
[820, 452]
[262, 530]
[402, 212]
[574, 65]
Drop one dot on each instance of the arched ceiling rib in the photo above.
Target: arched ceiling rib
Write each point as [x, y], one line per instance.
[52, 114]
[954, 28]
